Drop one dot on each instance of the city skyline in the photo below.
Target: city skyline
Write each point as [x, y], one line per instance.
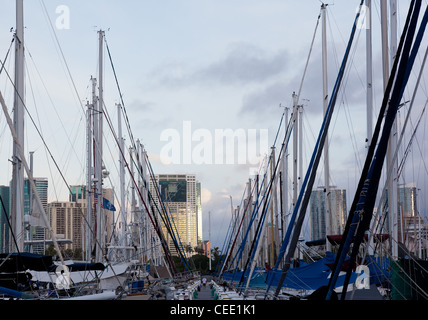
[173, 195]
[226, 66]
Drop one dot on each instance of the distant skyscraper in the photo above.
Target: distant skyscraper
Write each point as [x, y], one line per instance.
[4, 214]
[77, 193]
[66, 219]
[69, 218]
[407, 204]
[181, 194]
[318, 209]
[407, 200]
[35, 232]
[199, 210]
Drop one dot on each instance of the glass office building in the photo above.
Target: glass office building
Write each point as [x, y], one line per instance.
[338, 212]
[181, 195]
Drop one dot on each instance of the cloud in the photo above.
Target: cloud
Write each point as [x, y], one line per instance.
[242, 64]
[245, 63]
[265, 99]
[138, 106]
[205, 196]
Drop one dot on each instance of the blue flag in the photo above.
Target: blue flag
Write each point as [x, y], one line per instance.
[108, 205]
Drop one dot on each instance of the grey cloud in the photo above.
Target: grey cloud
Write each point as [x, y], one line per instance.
[138, 105]
[266, 100]
[245, 64]
[242, 64]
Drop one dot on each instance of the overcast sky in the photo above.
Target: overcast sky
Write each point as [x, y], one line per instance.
[211, 64]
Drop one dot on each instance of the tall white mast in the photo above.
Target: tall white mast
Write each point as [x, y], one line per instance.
[17, 212]
[297, 161]
[300, 145]
[27, 225]
[89, 111]
[122, 175]
[274, 209]
[386, 55]
[392, 144]
[133, 200]
[98, 133]
[139, 159]
[328, 217]
[31, 179]
[295, 135]
[284, 185]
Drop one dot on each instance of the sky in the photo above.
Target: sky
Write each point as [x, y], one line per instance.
[189, 69]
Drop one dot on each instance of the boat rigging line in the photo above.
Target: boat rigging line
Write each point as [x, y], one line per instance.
[300, 208]
[152, 217]
[359, 219]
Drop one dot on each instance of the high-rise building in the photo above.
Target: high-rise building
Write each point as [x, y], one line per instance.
[415, 229]
[77, 193]
[409, 228]
[69, 218]
[35, 232]
[181, 195]
[199, 210]
[407, 205]
[34, 227]
[407, 200]
[66, 219]
[4, 215]
[338, 212]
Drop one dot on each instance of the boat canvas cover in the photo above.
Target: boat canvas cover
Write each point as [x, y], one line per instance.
[309, 277]
[16, 262]
[85, 266]
[237, 275]
[317, 274]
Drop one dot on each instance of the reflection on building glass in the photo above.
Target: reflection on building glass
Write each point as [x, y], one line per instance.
[173, 191]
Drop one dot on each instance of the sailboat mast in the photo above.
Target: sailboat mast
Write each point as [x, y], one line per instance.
[31, 180]
[369, 71]
[328, 217]
[392, 144]
[139, 159]
[386, 55]
[284, 185]
[295, 136]
[89, 111]
[133, 200]
[369, 83]
[18, 122]
[273, 210]
[98, 137]
[122, 175]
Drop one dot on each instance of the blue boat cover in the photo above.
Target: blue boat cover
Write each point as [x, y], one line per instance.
[22, 261]
[313, 275]
[236, 276]
[309, 277]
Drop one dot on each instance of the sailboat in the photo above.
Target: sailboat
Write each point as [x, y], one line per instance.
[362, 209]
[325, 278]
[23, 261]
[113, 268]
[294, 224]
